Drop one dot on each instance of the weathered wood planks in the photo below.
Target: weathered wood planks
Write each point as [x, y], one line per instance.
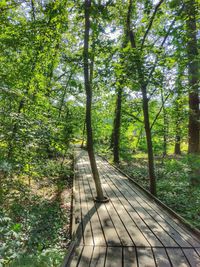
[132, 230]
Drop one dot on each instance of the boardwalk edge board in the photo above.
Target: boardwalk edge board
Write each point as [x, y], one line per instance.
[158, 201]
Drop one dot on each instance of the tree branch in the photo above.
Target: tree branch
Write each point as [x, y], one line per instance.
[158, 114]
[162, 44]
[151, 22]
[133, 116]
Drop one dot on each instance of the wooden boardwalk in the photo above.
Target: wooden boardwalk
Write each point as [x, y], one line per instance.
[132, 230]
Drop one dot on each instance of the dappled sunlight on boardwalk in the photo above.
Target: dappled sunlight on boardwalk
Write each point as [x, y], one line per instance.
[131, 230]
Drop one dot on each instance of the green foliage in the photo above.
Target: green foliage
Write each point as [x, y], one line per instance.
[35, 215]
[48, 258]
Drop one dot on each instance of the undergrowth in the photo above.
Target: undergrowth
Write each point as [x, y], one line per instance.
[35, 215]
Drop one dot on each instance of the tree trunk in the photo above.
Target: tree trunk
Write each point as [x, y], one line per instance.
[177, 148]
[165, 125]
[83, 135]
[193, 72]
[143, 86]
[178, 118]
[88, 90]
[115, 137]
[178, 108]
[117, 123]
[152, 176]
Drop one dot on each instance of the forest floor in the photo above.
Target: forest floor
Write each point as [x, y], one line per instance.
[174, 186]
[35, 216]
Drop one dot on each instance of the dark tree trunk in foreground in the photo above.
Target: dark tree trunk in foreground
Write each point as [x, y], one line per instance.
[152, 176]
[117, 123]
[193, 72]
[88, 90]
[143, 86]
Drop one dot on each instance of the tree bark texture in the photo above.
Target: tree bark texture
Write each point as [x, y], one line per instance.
[117, 124]
[165, 124]
[193, 77]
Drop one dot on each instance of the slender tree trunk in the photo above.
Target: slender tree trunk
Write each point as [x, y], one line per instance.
[117, 124]
[165, 125]
[177, 147]
[88, 90]
[115, 138]
[143, 86]
[83, 135]
[178, 114]
[152, 176]
[193, 72]
[178, 108]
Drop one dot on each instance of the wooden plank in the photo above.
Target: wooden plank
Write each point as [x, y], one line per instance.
[174, 231]
[86, 256]
[173, 222]
[174, 235]
[108, 229]
[161, 233]
[145, 257]
[111, 236]
[137, 237]
[78, 227]
[177, 257]
[129, 257]
[75, 257]
[98, 257]
[114, 257]
[198, 251]
[118, 221]
[139, 217]
[161, 257]
[150, 238]
[129, 216]
[192, 257]
[87, 231]
[97, 230]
